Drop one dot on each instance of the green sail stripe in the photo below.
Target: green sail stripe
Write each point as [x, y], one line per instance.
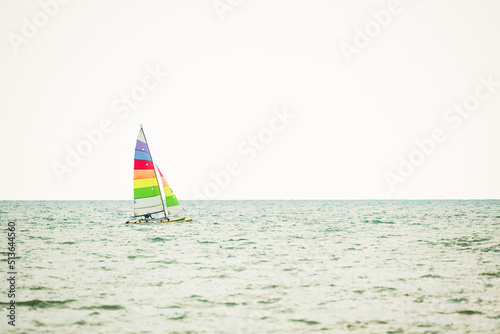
[146, 192]
[172, 201]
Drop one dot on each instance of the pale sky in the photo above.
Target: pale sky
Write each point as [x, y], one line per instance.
[354, 95]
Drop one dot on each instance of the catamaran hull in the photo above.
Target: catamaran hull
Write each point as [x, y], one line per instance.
[159, 221]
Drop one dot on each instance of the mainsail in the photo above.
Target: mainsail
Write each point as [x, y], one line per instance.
[173, 205]
[147, 195]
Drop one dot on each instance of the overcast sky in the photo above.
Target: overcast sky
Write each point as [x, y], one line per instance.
[251, 99]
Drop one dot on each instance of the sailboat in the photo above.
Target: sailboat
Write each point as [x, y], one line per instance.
[150, 205]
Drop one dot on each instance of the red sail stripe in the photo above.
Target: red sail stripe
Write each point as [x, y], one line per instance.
[163, 180]
[143, 164]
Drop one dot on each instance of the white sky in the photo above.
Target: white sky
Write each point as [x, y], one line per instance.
[352, 120]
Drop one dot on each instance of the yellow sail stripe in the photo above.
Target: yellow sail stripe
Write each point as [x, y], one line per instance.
[168, 191]
[142, 183]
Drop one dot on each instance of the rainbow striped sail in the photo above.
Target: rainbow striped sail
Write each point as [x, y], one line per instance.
[147, 194]
[173, 204]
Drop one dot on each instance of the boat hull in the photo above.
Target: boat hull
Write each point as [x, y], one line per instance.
[158, 221]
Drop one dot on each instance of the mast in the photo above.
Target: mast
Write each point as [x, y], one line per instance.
[154, 169]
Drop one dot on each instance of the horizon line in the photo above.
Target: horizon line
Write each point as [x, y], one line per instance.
[280, 199]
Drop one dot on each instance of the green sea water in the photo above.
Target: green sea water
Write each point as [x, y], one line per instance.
[256, 267]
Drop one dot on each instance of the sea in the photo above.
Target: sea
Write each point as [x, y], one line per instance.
[361, 266]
